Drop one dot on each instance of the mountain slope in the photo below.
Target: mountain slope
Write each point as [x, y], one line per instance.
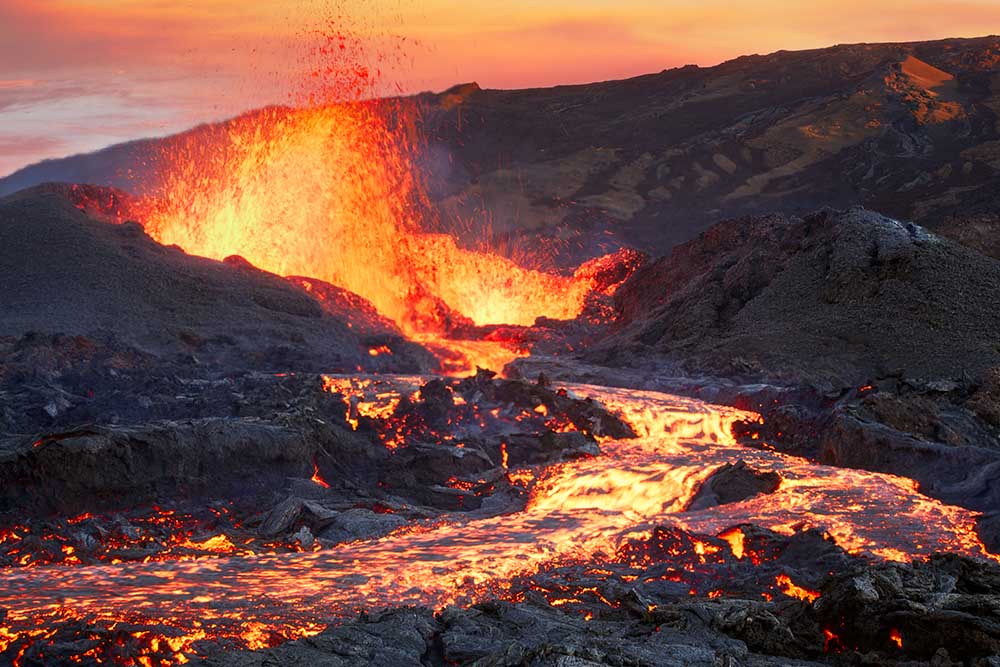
[838, 297]
[910, 130]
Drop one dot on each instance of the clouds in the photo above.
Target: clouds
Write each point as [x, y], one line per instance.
[90, 110]
[15, 151]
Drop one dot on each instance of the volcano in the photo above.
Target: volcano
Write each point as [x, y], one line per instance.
[708, 376]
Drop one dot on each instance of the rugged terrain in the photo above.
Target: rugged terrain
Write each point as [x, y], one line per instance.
[863, 341]
[843, 298]
[909, 130]
[174, 438]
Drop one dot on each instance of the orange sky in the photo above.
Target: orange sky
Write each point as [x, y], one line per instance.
[79, 74]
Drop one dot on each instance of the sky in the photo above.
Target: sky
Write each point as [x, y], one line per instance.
[77, 75]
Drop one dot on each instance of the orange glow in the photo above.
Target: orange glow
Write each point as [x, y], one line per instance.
[789, 588]
[217, 543]
[831, 642]
[735, 537]
[329, 192]
[316, 479]
[576, 509]
[231, 56]
[896, 638]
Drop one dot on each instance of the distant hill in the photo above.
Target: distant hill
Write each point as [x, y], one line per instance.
[911, 130]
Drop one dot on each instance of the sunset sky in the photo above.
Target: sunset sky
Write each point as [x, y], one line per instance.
[76, 75]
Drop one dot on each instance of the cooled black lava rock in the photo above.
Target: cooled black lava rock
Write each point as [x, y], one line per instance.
[837, 298]
[926, 614]
[916, 610]
[732, 483]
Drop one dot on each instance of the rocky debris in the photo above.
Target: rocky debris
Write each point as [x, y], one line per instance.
[276, 452]
[498, 633]
[360, 524]
[400, 637]
[359, 313]
[673, 565]
[107, 468]
[290, 512]
[470, 431]
[825, 298]
[92, 382]
[151, 533]
[985, 402]
[926, 431]
[947, 603]
[747, 597]
[66, 273]
[732, 483]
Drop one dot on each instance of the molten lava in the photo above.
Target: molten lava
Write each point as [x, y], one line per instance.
[578, 510]
[331, 192]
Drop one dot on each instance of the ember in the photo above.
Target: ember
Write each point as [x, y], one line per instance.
[317, 479]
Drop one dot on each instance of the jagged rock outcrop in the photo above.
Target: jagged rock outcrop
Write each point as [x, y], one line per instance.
[840, 298]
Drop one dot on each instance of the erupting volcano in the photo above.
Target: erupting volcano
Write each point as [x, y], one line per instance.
[331, 191]
[400, 381]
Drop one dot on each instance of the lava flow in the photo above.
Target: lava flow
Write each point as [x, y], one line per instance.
[582, 510]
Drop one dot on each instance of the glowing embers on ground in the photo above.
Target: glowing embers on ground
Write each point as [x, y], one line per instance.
[477, 411]
[145, 534]
[579, 511]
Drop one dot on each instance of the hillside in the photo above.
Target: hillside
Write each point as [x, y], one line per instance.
[910, 130]
[62, 272]
[847, 297]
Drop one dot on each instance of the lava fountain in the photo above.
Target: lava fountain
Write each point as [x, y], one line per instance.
[330, 192]
[330, 189]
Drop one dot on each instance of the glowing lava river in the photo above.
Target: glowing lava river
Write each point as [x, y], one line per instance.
[578, 511]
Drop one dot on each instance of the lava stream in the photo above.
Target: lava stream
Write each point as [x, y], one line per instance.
[579, 510]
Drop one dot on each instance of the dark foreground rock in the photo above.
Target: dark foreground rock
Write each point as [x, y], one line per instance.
[156, 467]
[732, 483]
